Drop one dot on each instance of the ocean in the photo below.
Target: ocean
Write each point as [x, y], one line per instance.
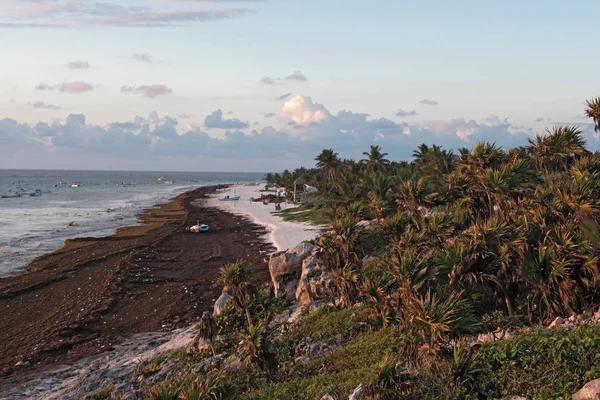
[31, 225]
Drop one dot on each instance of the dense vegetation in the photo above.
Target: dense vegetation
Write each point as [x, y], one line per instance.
[483, 240]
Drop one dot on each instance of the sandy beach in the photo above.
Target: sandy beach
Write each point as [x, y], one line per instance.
[94, 293]
[282, 234]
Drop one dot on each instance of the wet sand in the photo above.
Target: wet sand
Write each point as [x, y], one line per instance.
[93, 293]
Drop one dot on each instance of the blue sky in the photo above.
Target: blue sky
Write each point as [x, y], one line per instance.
[264, 85]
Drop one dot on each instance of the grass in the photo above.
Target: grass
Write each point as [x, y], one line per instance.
[546, 364]
[310, 215]
[103, 393]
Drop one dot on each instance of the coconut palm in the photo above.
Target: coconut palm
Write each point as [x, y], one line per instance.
[208, 330]
[593, 111]
[236, 280]
[375, 161]
[328, 162]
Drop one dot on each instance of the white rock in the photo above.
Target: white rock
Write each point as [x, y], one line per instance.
[591, 390]
[557, 322]
[357, 392]
[221, 303]
[285, 268]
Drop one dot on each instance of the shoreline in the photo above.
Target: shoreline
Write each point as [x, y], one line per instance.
[93, 293]
[283, 234]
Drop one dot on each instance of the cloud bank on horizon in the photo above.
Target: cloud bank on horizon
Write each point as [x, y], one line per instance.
[305, 128]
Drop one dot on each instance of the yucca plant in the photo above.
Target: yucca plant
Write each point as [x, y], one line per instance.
[211, 388]
[439, 320]
[236, 279]
[465, 365]
[163, 392]
[592, 111]
[253, 347]
[345, 280]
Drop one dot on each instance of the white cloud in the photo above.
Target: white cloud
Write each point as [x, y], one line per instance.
[143, 57]
[301, 110]
[428, 102]
[75, 87]
[78, 65]
[402, 113]
[151, 91]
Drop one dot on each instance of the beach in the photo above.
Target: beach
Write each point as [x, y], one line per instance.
[93, 293]
[282, 234]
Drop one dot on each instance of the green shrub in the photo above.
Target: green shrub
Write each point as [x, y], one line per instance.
[551, 363]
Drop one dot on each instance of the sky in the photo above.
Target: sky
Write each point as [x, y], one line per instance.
[263, 85]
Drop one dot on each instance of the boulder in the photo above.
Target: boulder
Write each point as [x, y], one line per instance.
[557, 322]
[314, 280]
[357, 392]
[591, 390]
[221, 303]
[285, 268]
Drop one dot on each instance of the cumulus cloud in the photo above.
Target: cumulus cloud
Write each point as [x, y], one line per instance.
[73, 13]
[402, 113]
[428, 102]
[143, 57]
[215, 120]
[78, 65]
[75, 87]
[151, 91]
[270, 115]
[302, 110]
[272, 81]
[283, 97]
[40, 105]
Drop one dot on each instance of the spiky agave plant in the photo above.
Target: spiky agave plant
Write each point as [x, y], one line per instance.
[207, 329]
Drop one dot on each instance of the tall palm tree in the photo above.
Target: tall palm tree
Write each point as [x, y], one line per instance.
[328, 162]
[207, 329]
[593, 111]
[376, 160]
[236, 279]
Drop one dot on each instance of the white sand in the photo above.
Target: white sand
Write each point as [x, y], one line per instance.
[282, 234]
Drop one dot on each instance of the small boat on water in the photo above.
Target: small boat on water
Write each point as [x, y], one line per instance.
[75, 184]
[10, 196]
[228, 198]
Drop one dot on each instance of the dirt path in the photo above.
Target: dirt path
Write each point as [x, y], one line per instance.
[94, 293]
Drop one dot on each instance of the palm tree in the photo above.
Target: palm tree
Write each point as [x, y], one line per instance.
[375, 160]
[236, 279]
[207, 329]
[593, 111]
[328, 162]
[378, 187]
[558, 149]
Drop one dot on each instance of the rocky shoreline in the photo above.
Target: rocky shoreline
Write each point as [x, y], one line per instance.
[91, 295]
